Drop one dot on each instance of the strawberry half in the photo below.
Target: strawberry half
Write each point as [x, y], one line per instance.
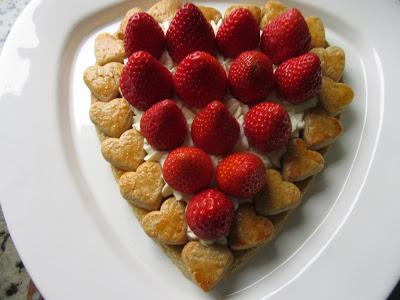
[214, 129]
[200, 79]
[164, 125]
[188, 170]
[251, 77]
[209, 214]
[267, 126]
[188, 32]
[238, 32]
[145, 81]
[241, 175]
[300, 78]
[143, 33]
[286, 36]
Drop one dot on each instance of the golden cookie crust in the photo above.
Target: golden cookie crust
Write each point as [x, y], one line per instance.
[299, 162]
[143, 187]
[317, 31]
[334, 97]
[332, 61]
[206, 264]
[103, 81]
[168, 225]
[278, 195]
[271, 10]
[164, 10]
[210, 13]
[112, 118]
[108, 48]
[249, 230]
[125, 153]
[320, 130]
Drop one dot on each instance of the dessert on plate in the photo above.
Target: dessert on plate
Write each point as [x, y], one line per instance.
[215, 123]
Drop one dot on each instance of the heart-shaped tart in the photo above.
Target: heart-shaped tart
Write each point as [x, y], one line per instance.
[222, 126]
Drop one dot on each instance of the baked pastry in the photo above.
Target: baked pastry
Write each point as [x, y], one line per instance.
[213, 175]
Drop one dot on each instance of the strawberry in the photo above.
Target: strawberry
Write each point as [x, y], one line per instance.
[214, 129]
[188, 32]
[267, 126]
[145, 81]
[238, 32]
[209, 214]
[164, 125]
[200, 79]
[286, 36]
[251, 77]
[299, 79]
[143, 33]
[188, 170]
[241, 175]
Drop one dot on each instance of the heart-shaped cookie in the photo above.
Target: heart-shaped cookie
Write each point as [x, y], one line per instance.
[320, 130]
[143, 187]
[248, 229]
[103, 81]
[125, 153]
[278, 195]
[317, 31]
[254, 9]
[270, 11]
[334, 96]
[332, 61]
[122, 26]
[167, 225]
[206, 265]
[164, 10]
[112, 118]
[108, 48]
[299, 162]
[210, 13]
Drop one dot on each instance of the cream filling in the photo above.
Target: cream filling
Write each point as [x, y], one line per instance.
[238, 110]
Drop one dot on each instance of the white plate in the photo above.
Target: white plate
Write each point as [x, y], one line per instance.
[77, 236]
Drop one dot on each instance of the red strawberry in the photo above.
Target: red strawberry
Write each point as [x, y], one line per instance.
[209, 214]
[214, 129]
[164, 125]
[238, 32]
[188, 32]
[241, 175]
[286, 36]
[200, 79]
[143, 33]
[299, 79]
[267, 126]
[145, 81]
[251, 77]
[188, 170]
